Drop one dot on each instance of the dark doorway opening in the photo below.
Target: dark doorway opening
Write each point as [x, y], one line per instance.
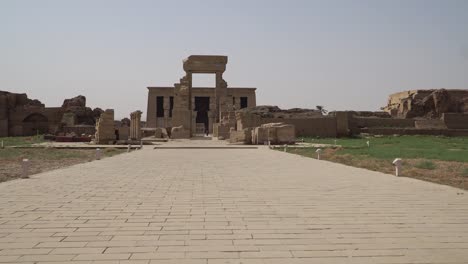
[202, 106]
[160, 106]
[243, 102]
[35, 124]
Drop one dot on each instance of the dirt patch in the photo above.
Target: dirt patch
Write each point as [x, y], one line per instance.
[43, 159]
[450, 173]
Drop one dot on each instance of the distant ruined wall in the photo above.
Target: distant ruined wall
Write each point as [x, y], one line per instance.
[427, 103]
[305, 127]
[356, 123]
[455, 121]
[21, 116]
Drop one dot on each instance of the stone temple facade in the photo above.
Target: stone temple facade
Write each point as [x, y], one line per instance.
[196, 110]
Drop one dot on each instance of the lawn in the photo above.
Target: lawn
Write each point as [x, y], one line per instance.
[437, 159]
[410, 147]
[21, 141]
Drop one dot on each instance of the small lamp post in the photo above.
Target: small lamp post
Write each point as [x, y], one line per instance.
[397, 163]
[25, 168]
[98, 153]
[318, 151]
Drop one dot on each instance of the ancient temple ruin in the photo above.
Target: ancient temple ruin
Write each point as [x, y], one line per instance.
[196, 110]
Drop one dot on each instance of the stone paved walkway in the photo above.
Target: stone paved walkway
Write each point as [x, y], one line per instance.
[228, 206]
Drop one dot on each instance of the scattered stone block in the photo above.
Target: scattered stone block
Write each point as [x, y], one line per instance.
[179, 132]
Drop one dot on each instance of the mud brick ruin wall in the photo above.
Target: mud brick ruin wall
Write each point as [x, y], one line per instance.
[356, 123]
[21, 116]
[455, 120]
[79, 130]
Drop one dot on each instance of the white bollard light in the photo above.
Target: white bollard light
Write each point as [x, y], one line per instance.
[25, 169]
[368, 144]
[397, 163]
[285, 148]
[318, 151]
[129, 147]
[98, 154]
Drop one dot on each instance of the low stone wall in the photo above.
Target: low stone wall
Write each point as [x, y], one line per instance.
[305, 127]
[80, 130]
[241, 136]
[347, 123]
[455, 121]
[362, 122]
[430, 124]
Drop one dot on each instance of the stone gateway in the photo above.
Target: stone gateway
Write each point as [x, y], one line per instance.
[196, 110]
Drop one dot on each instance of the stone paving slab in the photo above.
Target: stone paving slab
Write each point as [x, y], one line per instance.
[228, 206]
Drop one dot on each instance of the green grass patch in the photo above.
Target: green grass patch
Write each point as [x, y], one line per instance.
[21, 141]
[426, 164]
[411, 147]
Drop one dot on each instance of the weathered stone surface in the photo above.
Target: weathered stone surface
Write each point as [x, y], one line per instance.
[241, 136]
[160, 132]
[427, 103]
[275, 133]
[83, 115]
[105, 129]
[179, 132]
[21, 116]
[135, 125]
[125, 122]
[268, 111]
[69, 119]
[79, 101]
[178, 105]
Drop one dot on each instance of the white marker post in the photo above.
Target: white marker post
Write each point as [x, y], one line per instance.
[141, 144]
[397, 163]
[2, 146]
[129, 147]
[25, 169]
[285, 148]
[368, 144]
[335, 142]
[318, 151]
[98, 154]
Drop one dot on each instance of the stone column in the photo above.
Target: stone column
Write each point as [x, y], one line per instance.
[220, 96]
[105, 130]
[166, 106]
[211, 119]
[151, 110]
[135, 125]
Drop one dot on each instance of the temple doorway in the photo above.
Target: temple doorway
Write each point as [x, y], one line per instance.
[202, 106]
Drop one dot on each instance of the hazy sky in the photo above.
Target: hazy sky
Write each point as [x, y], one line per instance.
[340, 54]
